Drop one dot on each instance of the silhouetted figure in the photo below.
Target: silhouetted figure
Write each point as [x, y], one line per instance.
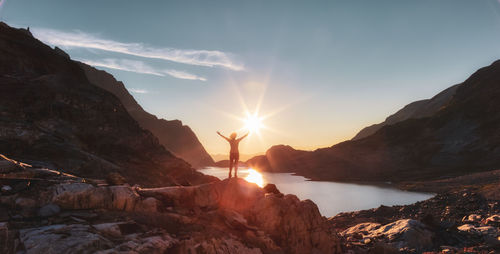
[234, 154]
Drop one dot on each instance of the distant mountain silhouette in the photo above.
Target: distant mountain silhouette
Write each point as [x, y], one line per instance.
[51, 114]
[417, 109]
[454, 133]
[177, 138]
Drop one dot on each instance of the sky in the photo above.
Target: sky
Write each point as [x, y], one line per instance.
[316, 71]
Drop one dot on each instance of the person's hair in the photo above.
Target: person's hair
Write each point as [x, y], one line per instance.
[233, 135]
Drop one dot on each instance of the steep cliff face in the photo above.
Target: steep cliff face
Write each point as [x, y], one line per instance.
[177, 138]
[415, 110]
[50, 112]
[463, 136]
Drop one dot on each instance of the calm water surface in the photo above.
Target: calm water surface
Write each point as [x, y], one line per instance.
[331, 197]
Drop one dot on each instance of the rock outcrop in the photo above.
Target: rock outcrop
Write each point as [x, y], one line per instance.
[51, 113]
[401, 234]
[172, 134]
[461, 137]
[65, 214]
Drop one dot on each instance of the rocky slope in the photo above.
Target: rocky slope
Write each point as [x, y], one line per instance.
[460, 221]
[177, 138]
[414, 110]
[462, 137]
[58, 213]
[51, 114]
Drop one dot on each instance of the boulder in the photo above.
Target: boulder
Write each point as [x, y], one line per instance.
[115, 178]
[361, 228]
[49, 210]
[271, 188]
[236, 194]
[59, 239]
[405, 233]
[86, 196]
[123, 198]
[149, 204]
[201, 196]
[479, 230]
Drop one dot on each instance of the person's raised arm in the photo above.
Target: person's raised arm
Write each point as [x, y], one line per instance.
[223, 136]
[243, 136]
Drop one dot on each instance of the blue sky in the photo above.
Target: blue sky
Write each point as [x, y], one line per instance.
[325, 68]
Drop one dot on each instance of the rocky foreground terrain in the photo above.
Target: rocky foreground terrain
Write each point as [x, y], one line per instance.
[464, 217]
[46, 211]
[456, 222]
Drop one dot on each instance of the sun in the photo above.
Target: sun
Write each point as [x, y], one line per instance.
[255, 177]
[253, 123]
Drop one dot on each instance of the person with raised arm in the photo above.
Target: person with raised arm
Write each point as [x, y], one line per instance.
[234, 154]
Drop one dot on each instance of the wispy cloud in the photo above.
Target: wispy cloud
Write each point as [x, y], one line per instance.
[209, 58]
[136, 90]
[183, 75]
[140, 67]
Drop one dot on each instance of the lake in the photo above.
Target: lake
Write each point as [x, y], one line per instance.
[331, 197]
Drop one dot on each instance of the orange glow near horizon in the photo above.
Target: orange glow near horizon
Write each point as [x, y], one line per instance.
[255, 177]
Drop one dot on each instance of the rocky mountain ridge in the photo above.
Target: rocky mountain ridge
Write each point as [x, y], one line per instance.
[172, 134]
[51, 114]
[462, 137]
[414, 110]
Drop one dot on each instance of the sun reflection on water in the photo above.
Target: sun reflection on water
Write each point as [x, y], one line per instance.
[255, 177]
